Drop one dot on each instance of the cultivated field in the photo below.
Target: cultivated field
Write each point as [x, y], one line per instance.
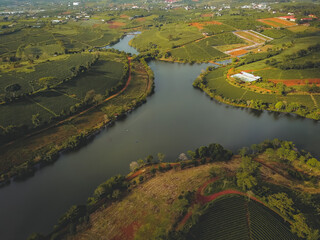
[276, 22]
[29, 149]
[234, 217]
[104, 75]
[167, 37]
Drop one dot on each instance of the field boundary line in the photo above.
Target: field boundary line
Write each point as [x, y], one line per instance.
[314, 100]
[67, 95]
[270, 38]
[78, 114]
[45, 108]
[243, 94]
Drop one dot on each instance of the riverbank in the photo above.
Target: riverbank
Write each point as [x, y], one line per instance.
[22, 157]
[215, 84]
[174, 195]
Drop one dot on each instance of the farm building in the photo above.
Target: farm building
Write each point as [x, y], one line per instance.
[246, 77]
[289, 18]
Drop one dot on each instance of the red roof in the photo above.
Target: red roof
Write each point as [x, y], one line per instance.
[287, 17]
[307, 19]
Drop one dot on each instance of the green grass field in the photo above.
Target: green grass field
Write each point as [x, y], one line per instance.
[217, 80]
[234, 217]
[216, 29]
[276, 33]
[317, 98]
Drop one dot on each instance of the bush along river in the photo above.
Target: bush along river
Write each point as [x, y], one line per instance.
[175, 119]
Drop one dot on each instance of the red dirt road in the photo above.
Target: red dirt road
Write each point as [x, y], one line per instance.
[293, 82]
[202, 199]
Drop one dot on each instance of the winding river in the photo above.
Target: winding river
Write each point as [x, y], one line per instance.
[175, 119]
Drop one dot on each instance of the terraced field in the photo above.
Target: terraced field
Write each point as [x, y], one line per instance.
[104, 75]
[167, 37]
[71, 36]
[34, 77]
[225, 219]
[266, 224]
[234, 217]
[200, 51]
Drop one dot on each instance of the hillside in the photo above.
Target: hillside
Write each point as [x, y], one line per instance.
[261, 190]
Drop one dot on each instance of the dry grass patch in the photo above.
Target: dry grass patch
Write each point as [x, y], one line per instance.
[151, 203]
[276, 22]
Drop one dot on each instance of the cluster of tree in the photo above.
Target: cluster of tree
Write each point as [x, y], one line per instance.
[313, 88]
[247, 173]
[294, 65]
[78, 214]
[285, 151]
[250, 58]
[214, 151]
[110, 189]
[285, 206]
[290, 61]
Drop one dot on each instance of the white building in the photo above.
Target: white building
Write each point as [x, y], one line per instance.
[246, 77]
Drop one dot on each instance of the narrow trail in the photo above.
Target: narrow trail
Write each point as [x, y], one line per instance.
[200, 198]
[314, 100]
[255, 44]
[79, 114]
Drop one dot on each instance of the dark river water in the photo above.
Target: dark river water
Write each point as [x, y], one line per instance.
[175, 119]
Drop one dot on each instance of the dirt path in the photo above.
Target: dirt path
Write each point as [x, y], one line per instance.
[202, 199]
[81, 113]
[314, 100]
[255, 44]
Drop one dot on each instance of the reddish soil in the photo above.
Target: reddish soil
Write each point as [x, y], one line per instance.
[137, 173]
[113, 24]
[293, 82]
[96, 25]
[202, 199]
[141, 19]
[239, 52]
[128, 231]
[205, 199]
[124, 16]
[200, 25]
[207, 15]
[272, 22]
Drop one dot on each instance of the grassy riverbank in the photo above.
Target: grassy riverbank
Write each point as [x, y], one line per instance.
[215, 83]
[167, 201]
[19, 157]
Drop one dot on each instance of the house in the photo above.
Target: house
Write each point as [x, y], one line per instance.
[312, 16]
[306, 19]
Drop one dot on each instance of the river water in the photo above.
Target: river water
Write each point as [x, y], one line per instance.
[175, 119]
